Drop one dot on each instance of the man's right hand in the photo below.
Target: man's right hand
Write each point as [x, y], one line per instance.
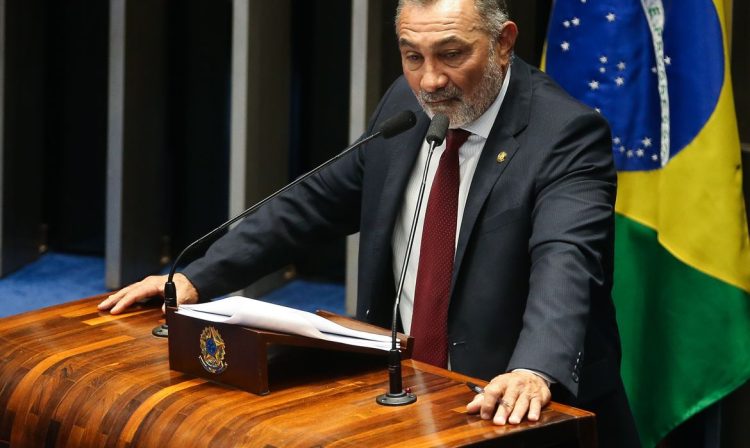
[148, 287]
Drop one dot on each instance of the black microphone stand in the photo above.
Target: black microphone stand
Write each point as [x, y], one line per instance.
[393, 126]
[396, 395]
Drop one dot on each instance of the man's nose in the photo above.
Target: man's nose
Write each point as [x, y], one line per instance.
[433, 78]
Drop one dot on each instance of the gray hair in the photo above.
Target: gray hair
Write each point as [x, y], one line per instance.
[494, 13]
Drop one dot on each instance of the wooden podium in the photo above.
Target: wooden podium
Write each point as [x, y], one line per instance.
[71, 376]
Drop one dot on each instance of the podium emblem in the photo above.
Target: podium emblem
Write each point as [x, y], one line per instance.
[212, 351]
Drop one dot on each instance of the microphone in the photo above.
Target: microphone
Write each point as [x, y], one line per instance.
[396, 395]
[392, 126]
[397, 124]
[437, 130]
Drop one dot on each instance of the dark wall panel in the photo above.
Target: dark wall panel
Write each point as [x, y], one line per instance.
[320, 81]
[136, 220]
[77, 49]
[23, 128]
[199, 44]
[532, 18]
[390, 58]
[320, 107]
[175, 139]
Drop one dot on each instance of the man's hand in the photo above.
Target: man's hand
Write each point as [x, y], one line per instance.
[510, 397]
[149, 287]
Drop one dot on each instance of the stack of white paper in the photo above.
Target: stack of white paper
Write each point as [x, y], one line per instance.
[268, 316]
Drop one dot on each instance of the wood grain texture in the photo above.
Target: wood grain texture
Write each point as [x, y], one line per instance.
[71, 376]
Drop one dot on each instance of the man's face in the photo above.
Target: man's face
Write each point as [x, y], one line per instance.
[451, 64]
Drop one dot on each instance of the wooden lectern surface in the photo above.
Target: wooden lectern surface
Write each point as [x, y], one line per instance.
[71, 376]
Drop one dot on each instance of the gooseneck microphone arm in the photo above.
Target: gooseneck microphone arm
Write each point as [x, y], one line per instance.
[396, 395]
[392, 126]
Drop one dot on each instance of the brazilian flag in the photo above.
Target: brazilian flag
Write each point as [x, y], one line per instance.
[658, 70]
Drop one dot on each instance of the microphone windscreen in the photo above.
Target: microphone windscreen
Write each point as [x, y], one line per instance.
[437, 130]
[398, 123]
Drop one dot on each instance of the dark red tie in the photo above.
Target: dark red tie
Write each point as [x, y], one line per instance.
[429, 324]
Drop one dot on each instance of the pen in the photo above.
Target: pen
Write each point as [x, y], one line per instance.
[474, 388]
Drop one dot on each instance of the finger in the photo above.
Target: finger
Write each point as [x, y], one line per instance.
[506, 405]
[535, 409]
[501, 412]
[107, 303]
[475, 405]
[125, 302]
[520, 407]
[492, 394]
[114, 298]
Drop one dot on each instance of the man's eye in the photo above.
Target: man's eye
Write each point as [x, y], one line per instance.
[413, 57]
[452, 55]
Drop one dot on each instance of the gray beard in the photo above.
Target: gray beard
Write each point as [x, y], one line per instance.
[465, 109]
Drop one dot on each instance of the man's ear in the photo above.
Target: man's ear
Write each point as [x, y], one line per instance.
[507, 40]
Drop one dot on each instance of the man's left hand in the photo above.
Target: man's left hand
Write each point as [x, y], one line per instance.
[511, 397]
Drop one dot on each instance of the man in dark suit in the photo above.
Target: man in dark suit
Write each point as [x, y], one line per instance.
[524, 289]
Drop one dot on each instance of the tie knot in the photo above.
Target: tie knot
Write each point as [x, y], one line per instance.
[456, 138]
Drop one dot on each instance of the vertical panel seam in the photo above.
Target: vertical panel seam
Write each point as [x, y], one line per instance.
[115, 142]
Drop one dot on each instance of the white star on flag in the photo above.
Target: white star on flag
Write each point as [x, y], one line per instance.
[619, 81]
[603, 59]
[654, 157]
[621, 66]
[629, 153]
[594, 85]
[668, 60]
[646, 142]
[616, 140]
[611, 17]
[639, 152]
[602, 70]
[622, 149]
[575, 21]
[566, 24]
[565, 46]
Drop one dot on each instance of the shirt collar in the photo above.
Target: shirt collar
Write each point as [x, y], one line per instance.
[483, 125]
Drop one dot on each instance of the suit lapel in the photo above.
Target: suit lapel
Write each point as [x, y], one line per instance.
[403, 154]
[511, 120]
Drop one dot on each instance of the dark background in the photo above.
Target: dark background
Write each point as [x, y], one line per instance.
[57, 86]
[58, 57]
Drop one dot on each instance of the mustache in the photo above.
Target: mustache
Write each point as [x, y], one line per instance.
[446, 93]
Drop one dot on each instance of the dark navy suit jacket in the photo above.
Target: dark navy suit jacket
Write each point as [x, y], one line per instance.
[534, 261]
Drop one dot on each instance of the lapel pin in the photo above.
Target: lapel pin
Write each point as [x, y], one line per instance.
[501, 157]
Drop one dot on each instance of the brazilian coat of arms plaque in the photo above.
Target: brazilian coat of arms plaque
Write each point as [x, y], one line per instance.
[213, 351]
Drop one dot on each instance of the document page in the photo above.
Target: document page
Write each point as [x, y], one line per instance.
[268, 316]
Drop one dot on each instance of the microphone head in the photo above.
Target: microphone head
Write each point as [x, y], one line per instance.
[437, 130]
[397, 124]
